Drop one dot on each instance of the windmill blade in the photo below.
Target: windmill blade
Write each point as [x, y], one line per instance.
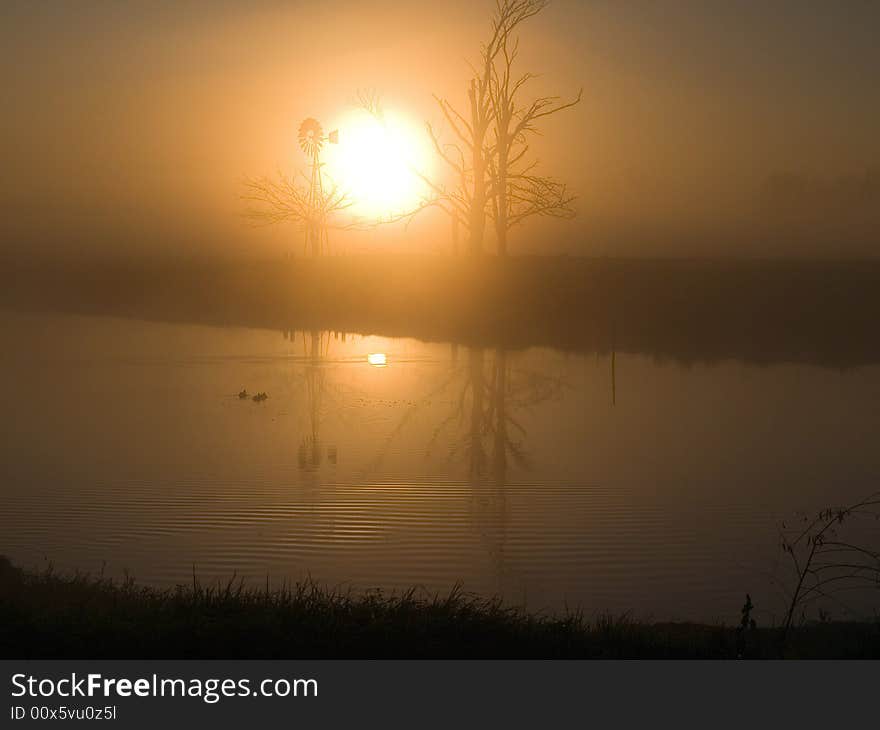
[311, 136]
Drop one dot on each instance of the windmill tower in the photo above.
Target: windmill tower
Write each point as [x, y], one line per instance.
[311, 140]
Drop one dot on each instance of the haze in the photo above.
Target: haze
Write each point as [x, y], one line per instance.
[707, 128]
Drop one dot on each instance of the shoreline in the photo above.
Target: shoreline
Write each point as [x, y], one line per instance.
[761, 312]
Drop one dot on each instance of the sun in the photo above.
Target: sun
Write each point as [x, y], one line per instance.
[378, 163]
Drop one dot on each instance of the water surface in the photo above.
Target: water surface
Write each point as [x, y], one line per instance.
[607, 481]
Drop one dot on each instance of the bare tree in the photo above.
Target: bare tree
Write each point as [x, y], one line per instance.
[488, 153]
[518, 190]
[290, 199]
[468, 154]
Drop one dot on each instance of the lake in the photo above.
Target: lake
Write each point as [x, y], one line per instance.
[607, 481]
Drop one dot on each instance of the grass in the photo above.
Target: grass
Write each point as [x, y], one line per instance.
[50, 615]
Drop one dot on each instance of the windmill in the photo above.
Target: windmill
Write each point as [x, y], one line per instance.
[311, 140]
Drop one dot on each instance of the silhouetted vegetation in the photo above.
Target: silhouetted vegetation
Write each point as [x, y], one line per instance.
[830, 561]
[46, 615]
[487, 155]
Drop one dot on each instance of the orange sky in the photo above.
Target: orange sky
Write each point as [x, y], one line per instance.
[706, 127]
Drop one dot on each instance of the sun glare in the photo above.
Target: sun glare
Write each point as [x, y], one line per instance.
[377, 359]
[377, 162]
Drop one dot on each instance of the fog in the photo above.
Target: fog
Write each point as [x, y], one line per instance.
[706, 128]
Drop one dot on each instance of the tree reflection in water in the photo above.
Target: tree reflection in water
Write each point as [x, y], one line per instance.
[487, 433]
[316, 345]
[484, 428]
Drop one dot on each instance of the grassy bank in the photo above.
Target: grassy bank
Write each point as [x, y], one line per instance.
[47, 615]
